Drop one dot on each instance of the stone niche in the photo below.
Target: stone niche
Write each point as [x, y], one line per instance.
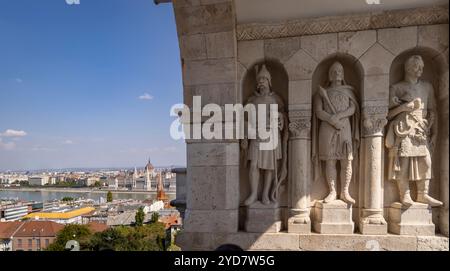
[436, 72]
[248, 86]
[372, 62]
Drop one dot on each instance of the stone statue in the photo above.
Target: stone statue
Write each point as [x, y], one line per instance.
[335, 132]
[412, 133]
[266, 166]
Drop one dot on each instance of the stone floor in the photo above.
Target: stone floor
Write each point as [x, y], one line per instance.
[312, 242]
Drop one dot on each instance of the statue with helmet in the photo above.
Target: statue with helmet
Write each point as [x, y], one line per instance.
[266, 166]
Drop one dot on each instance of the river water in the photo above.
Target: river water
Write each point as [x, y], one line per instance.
[41, 196]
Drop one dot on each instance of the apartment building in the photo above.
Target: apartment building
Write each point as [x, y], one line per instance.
[28, 235]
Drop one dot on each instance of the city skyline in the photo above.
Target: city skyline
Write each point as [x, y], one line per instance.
[88, 85]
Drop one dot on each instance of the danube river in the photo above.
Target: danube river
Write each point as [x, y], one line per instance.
[50, 194]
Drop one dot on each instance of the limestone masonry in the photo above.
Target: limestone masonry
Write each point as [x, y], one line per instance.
[363, 156]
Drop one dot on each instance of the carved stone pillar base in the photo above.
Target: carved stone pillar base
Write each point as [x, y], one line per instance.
[373, 229]
[373, 222]
[414, 220]
[333, 218]
[263, 218]
[300, 222]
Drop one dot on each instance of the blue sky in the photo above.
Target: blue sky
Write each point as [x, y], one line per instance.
[88, 85]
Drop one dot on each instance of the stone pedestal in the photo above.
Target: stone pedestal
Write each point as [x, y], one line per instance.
[333, 218]
[263, 218]
[413, 220]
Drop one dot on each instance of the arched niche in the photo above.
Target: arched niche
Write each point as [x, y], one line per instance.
[436, 72]
[353, 75]
[431, 69]
[280, 83]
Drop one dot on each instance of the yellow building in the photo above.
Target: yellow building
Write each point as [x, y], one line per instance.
[70, 217]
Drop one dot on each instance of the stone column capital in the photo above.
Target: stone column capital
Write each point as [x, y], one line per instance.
[374, 120]
[300, 124]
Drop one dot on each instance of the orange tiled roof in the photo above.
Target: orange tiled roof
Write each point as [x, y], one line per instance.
[169, 220]
[7, 229]
[97, 227]
[38, 228]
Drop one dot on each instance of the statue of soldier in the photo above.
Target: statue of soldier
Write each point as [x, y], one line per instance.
[267, 166]
[412, 133]
[335, 132]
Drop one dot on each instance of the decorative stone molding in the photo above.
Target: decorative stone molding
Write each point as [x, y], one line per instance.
[300, 127]
[299, 113]
[300, 124]
[375, 110]
[373, 126]
[374, 120]
[334, 24]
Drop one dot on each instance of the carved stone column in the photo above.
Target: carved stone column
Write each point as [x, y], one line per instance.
[443, 152]
[372, 221]
[299, 171]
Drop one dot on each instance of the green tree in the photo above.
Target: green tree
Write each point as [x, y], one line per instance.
[110, 239]
[109, 197]
[80, 233]
[97, 184]
[67, 199]
[146, 238]
[140, 216]
[123, 238]
[155, 217]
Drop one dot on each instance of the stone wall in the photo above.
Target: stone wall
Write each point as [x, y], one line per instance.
[218, 59]
[372, 60]
[207, 37]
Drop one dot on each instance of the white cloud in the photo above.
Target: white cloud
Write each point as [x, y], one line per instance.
[68, 142]
[145, 96]
[13, 133]
[19, 80]
[7, 145]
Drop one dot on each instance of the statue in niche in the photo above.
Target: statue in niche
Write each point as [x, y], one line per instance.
[268, 167]
[412, 133]
[335, 133]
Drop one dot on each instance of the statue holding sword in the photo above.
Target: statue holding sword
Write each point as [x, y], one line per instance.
[335, 133]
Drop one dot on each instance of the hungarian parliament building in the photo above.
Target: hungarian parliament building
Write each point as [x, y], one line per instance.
[146, 179]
